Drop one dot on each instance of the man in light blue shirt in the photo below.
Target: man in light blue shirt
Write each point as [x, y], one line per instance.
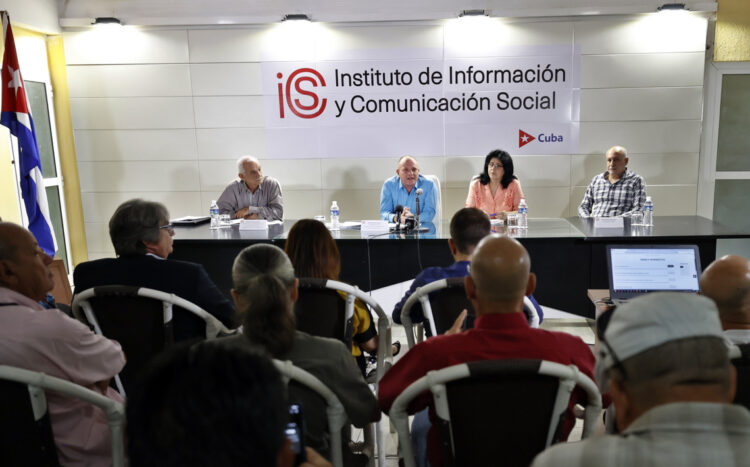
[402, 189]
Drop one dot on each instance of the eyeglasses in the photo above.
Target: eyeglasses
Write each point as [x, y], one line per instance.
[493, 165]
[169, 227]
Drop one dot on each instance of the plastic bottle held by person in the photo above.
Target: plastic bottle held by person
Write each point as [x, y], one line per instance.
[335, 212]
[648, 212]
[523, 214]
[214, 212]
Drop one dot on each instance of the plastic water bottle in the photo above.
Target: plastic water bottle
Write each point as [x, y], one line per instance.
[523, 214]
[648, 212]
[214, 212]
[335, 212]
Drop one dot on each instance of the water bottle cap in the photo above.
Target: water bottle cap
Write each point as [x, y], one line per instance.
[648, 198]
[213, 201]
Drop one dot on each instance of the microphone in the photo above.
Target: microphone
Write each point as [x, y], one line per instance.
[419, 193]
[399, 209]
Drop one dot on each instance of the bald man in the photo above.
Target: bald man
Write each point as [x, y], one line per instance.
[615, 192]
[499, 278]
[50, 342]
[726, 281]
[401, 190]
[252, 196]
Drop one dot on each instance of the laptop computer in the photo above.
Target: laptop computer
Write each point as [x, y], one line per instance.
[640, 269]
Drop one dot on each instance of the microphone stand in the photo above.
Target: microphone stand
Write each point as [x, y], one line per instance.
[416, 220]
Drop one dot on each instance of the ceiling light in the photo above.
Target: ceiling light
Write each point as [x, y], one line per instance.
[671, 7]
[106, 21]
[296, 17]
[473, 13]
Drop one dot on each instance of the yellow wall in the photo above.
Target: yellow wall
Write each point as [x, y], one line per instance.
[732, 31]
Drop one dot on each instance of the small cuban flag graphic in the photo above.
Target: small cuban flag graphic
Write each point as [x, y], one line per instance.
[17, 117]
[524, 138]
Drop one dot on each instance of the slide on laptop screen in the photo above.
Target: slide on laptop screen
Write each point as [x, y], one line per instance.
[638, 269]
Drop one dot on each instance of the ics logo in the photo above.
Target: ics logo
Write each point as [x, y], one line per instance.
[302, 81]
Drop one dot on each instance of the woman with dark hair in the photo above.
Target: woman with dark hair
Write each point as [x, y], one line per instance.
[496, 189]
[264, 292]
[314, 254]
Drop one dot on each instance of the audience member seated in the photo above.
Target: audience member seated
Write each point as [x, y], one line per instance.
[468, 227]
[209, 405]
[314, 254]
[498, 280]
[142, 237]
[264, 292]
[726, 281]
[496, 190]
[48, 341]
[671, 382]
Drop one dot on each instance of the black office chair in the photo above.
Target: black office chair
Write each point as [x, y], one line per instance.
[497, 412]
[441, 302]
[140, 319]
[740, 358]
[25, 431]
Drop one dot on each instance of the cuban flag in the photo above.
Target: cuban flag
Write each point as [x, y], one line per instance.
[17, 117]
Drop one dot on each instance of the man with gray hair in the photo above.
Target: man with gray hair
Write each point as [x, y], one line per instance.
[253, 196]
[142, 237]
[615, 192]
[668, 373]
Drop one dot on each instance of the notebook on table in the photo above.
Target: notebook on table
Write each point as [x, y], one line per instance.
[640, 269]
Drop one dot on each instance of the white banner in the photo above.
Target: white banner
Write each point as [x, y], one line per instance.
[525, 104]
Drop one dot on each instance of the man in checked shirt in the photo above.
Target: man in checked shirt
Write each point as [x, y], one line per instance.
[616, 191]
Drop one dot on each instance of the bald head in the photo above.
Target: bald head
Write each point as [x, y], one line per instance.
[9, 236]
[500, 274]
[727, 282]
[24, 267]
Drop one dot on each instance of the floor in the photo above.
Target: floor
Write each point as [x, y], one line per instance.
[554, 320]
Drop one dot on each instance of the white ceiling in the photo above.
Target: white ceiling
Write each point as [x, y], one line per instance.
[203, 12]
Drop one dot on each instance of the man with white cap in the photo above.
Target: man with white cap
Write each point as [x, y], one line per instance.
[671, 383]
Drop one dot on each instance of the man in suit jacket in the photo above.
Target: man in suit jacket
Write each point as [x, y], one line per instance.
[142, 237]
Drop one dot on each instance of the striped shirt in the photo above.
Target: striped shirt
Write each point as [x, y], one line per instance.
[605, 199]
[685, 434]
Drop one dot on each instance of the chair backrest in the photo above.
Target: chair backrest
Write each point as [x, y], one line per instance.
[334, 409]
[321, 311]
[25, 431]
[439, 202]
[442, 301]
[497, 412]
[140, 319]
[34, 384]
[741, 361]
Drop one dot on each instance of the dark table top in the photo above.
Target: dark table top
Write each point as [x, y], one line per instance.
[664, 227]
[538, 228]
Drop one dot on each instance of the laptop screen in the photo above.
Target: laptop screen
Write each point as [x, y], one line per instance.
[639, 269]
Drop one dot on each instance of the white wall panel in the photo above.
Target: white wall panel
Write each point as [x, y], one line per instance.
[652, 33]
[642, 70]
[99, 207]
[226, 79]
[641, 137]
[657, 169]
[129, 80]
[673, 200]
[97, 239]
[133, 113]
[542, 171]
[135, 145]
[139, 176]
[229, 112]
[547, 201]
[300, 174]
[225, 45]
[355, 204]
[608, 105]
[483, 37]
[230, 143]
[346, 42]
[125, 45]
